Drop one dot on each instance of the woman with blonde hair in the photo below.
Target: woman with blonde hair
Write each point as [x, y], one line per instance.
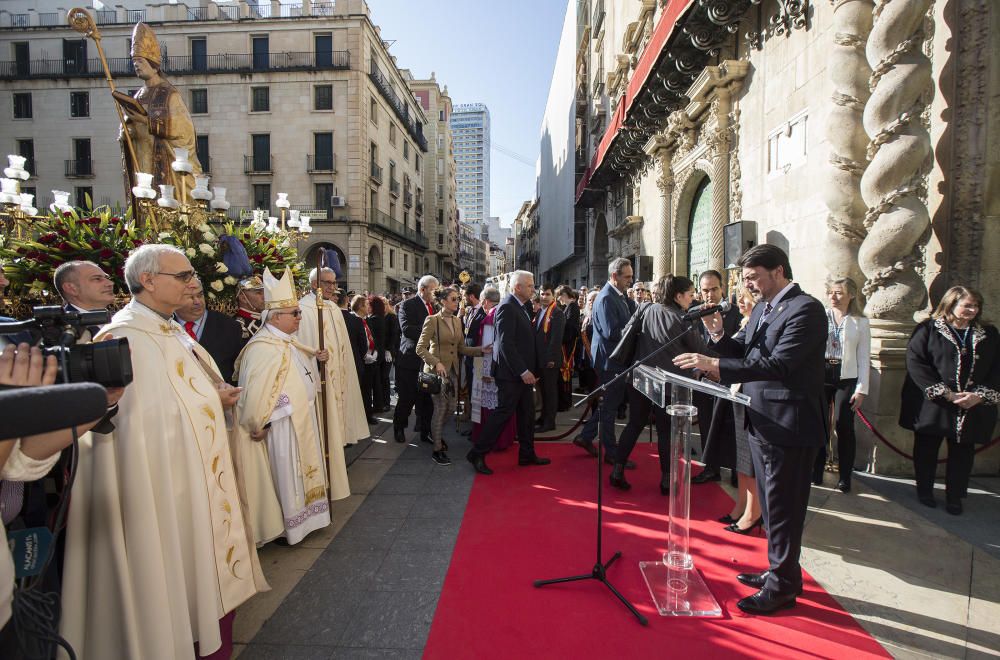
[951, 392]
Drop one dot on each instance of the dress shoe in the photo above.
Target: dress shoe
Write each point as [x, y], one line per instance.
[618, 477]
[844, 485]
[766, 602]
[757, 580]
[727, 519]
[817, 481]
[706, 475]
[736, 529]
[587, 446]
[533, 460]
[629, 465]
[954, 507]
[440, 458]
[665, 485]
[399, 433]
[479, 463]
[927, 500]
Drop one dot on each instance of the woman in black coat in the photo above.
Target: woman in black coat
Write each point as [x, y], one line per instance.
[377, 322]
[951, 392]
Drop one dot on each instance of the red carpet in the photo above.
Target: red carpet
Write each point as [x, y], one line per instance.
[523, 524]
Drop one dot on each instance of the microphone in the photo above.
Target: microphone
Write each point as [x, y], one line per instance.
[707, 310]
[32, 410]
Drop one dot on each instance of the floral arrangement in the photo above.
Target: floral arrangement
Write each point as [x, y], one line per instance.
[100, 236]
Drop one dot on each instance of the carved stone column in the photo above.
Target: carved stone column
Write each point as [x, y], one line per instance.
[662, 150]
[845, 131]
[718, 142]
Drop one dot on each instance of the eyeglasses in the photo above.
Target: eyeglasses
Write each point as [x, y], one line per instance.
[183, 276]
[295, 312]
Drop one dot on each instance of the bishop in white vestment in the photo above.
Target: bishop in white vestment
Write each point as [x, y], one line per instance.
[279, 378]
[158, 553]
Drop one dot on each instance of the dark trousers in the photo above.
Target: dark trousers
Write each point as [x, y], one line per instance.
[839, 396]
[380, 396]
[783, 483]
[961, 455]
[550, 395]
[366, 378]
[409, 396]
[705, 403]
[513, 398]
[639, 408]
[610, 403]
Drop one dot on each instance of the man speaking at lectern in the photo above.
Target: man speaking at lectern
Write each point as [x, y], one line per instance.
[778, 357]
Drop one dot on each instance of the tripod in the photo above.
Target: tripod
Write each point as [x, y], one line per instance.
[600, 570]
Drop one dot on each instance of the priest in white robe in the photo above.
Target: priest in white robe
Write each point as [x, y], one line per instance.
[279, 377]
[344, 414]
[158, 554]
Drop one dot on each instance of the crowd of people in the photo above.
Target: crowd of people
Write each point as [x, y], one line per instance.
[232, 432]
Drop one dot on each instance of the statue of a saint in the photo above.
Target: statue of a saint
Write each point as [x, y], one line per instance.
[166, 124]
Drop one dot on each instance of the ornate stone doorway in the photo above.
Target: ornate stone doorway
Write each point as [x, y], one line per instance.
[700, 229]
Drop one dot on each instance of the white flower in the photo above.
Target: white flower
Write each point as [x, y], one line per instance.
[221, 267]
[190, 253]
[164, 234]
[211, 295]
[206, 250]
[217, 285]
[230, 280]
[204, 228]
[208, 236]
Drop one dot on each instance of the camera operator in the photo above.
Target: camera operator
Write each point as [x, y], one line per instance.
[24, 459]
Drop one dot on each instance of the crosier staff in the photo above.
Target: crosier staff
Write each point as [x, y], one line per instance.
[322, 371]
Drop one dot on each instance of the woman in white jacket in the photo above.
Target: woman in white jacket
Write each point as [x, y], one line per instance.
[848, 362]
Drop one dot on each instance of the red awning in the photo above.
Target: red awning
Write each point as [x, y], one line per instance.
[664, 29]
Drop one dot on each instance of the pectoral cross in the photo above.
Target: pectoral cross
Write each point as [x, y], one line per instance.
[309, 375]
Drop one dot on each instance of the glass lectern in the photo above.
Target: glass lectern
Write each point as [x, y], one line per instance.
[675, 584]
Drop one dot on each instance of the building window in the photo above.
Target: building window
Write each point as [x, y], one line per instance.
[440, 115]
[324, 191]
[262, 196]
[84, 196]
[22, 105]
[79, 104]
[199, 54]
[201, 150]
[323, 98]
[323, 146]
[260, 99]
[392, 258]
[26, 149]
[440, 240]
[199, 101]
[392, 133]
[416, 161]
[440, 166]
[406, 261]
[261, 47]
[260, 145]
[323, 47]
[373, 111]
[440, 216]
[392, 210]
[406, 150]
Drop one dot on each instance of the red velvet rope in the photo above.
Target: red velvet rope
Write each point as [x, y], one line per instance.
[885, 441]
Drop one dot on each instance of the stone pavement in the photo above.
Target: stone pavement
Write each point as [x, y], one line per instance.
[923, 583]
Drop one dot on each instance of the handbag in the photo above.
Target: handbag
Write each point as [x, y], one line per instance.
[624, 352]
[430, 382]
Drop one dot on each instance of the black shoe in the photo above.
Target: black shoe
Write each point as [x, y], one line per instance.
[586, 446]
[727, 519]
[440, 458]
[927, 500]
[665, 485]
[479, 463]
[766, 602]
[706, 475]
[844, 486]
[757, 580]
[372, 421]
[282, 541]
[954, 507]
[426, 437]
[533, 460]
[618, 478]
[736, 529]
[629, 465]
[399, 433]
[817, 481]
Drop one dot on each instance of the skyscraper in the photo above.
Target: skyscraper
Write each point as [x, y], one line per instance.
[470, 127]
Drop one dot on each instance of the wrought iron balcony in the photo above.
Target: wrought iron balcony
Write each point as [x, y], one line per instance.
[598, 18]
[376, 173]
[135, 15]
[394, 187]
[321, 163]
[179, 65]
[411, 124]
[79, 168]
[420, 207]
[257, 164]
[397, 229]
[407, 199]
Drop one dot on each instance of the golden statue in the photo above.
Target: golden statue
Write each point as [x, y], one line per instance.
[157, 122]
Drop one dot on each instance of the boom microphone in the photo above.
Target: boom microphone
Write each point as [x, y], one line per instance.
[707, 310]
[32, 410]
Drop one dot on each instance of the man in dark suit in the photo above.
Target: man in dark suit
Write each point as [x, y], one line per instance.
[778, 357]
[355, 330]
[219, 334]
[549, 325]
[723, 447]
[412, 313]
[612, 310]
[515, 372]
[85, 288]
[570, 344]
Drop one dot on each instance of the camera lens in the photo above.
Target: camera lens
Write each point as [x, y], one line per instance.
[108, 363]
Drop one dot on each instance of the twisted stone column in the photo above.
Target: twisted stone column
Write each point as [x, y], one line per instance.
[899, 154]
[719, 150]
[845, 131]
[665, 183]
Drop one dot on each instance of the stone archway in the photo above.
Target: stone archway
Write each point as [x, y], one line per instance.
[312, 260]
[375, 280]
[693, 182]
[599, 251]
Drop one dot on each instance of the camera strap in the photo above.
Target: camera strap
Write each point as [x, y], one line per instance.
[30, 549]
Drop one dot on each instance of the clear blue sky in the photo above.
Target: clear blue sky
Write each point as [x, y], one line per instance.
[500, 53]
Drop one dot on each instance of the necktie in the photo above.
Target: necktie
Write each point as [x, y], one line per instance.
[189, 326]
[430, 310]
[767, 311]
[368, 333]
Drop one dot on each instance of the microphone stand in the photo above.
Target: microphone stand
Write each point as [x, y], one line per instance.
[600, 570]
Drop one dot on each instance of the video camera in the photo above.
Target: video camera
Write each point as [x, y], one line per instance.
[56, 331]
